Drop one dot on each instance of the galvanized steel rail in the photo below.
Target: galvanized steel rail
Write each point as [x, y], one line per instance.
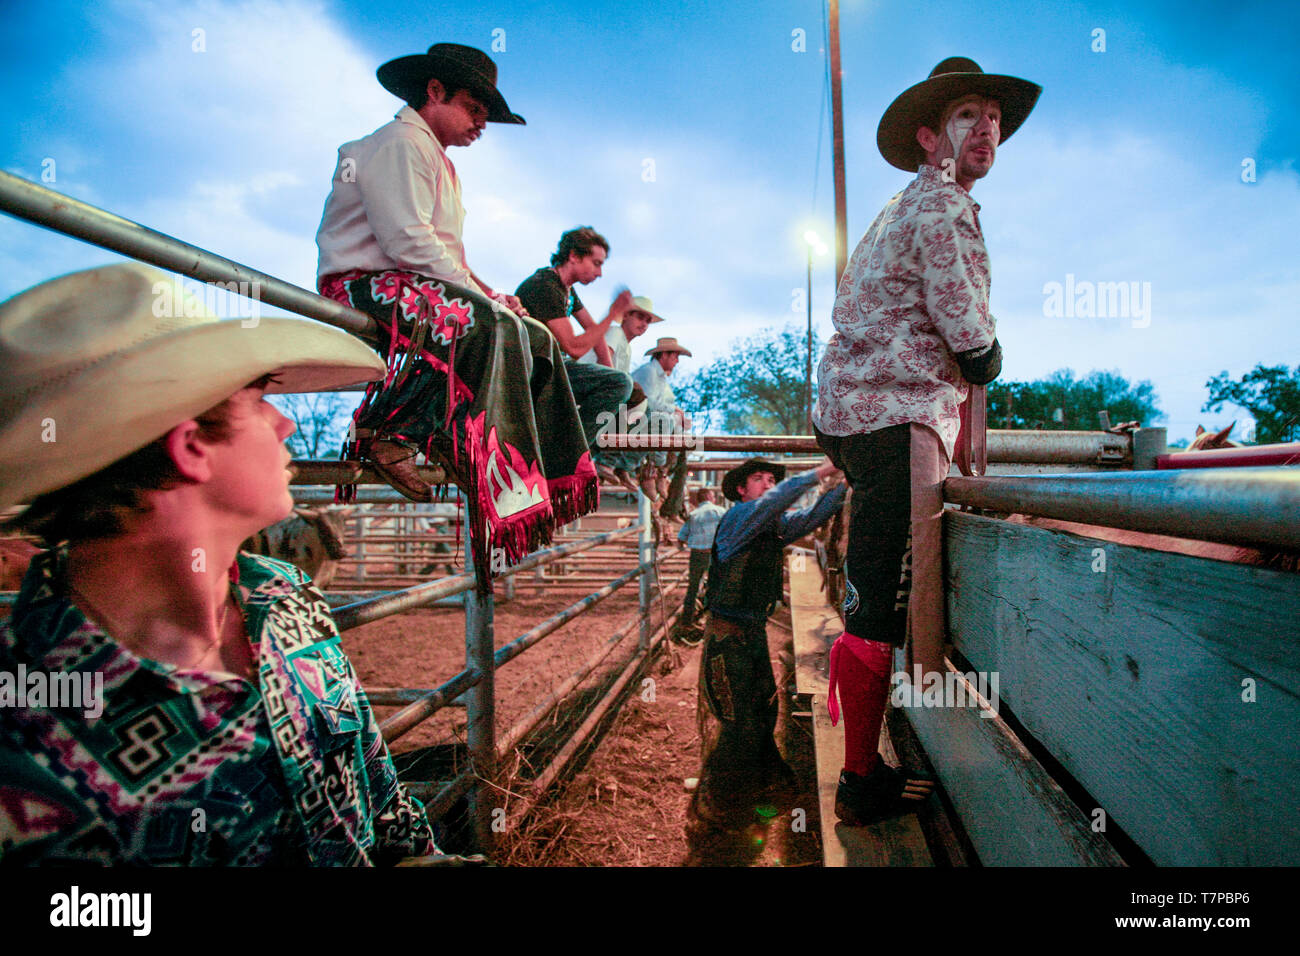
[1254, 507]
[53, 210]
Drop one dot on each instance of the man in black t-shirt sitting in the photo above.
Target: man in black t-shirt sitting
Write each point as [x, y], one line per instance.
[549, 297]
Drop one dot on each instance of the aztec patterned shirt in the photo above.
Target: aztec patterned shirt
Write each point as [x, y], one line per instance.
[915, 292]
[189, 767]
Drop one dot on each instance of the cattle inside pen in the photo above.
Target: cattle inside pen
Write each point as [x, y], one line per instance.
[310, 538]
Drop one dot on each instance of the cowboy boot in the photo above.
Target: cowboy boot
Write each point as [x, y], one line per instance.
[626, 480]
[674, 505]
[395, 463]
[649, 484]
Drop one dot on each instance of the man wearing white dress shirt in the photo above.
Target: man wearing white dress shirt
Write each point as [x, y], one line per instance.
[666, 418]
[639, 317]
[396, 198]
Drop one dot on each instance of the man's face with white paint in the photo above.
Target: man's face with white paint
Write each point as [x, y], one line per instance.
[969, 132]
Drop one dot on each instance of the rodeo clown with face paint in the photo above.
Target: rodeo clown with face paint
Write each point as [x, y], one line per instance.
[912, 333]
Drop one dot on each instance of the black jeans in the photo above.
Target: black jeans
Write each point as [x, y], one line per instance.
[877, 567]
[596, 389]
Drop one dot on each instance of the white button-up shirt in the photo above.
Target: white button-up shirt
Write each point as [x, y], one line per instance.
[618, 345]
[395, 204]
[915, 292]
[654, 382]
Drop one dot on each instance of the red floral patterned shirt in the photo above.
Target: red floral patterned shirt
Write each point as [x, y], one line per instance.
[915, 291]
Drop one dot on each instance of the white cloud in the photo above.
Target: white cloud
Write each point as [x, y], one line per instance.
[236, 146]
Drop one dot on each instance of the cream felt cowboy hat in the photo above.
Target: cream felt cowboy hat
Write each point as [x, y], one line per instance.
[919, 105]
[97, 364]
[667, 345]
[642, 303]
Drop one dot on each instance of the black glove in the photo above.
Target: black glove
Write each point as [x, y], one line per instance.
[981, 366]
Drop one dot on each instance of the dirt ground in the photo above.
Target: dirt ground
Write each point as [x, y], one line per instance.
[626, 804]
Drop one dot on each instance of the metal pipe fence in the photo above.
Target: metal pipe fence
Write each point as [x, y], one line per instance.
[1252, 507]
[52, 210]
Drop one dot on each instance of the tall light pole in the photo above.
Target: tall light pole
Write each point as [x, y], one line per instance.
[814, 243]
[837, 142]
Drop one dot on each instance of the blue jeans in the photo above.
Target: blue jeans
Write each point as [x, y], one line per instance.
[596, 389]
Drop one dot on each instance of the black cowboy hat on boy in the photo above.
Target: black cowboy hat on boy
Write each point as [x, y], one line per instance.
[919, 105]
[452, 64]
[733, 479]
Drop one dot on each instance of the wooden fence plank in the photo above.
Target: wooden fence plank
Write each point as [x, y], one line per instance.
[1012, 810]
[896, 842]
[1137, 675]
[815, 623]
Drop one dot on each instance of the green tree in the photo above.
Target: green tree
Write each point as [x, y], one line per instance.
[1062, 402]
[756, 389]
[1270, 393]
[322, 420]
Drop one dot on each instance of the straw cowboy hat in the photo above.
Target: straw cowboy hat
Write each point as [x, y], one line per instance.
[642, 303]
[920, 105]
[733, 479]
[408, 77]
[667, 345]
[97, 364]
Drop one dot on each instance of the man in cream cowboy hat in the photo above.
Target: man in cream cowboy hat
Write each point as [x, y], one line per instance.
[913, 332]
[668, 418]
[640, 315]
[217, 719]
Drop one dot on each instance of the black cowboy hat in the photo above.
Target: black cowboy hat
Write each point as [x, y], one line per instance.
[733, 479]
[407, 77]
[919, 105]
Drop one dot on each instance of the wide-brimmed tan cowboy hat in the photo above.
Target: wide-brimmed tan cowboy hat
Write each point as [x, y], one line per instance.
[920, 105]
[97, 364]
[667, 345]
[733, 479]
[408, 77]
[642, 303]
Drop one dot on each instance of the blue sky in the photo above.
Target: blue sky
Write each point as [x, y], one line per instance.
[1129, 170]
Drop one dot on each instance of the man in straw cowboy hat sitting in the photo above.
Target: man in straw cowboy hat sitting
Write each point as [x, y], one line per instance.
[168, 699]
[741, 767]
[470, 378]
[912, 330]
[666, 418]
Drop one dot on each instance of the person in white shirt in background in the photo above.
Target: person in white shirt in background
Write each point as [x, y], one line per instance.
[666, 418]
[697, 534]
[639, 317]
